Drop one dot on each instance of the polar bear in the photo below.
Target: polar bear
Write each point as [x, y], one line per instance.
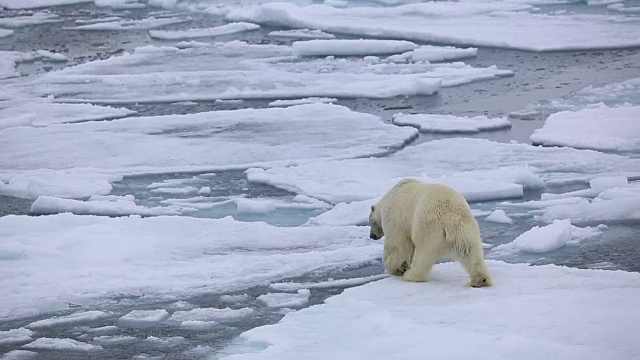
[423, 223]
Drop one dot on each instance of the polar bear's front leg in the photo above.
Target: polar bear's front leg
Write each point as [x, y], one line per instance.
[397, 255]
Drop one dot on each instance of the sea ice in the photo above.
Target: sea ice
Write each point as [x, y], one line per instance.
[289, 135]
[540, 239]
[27, 20]
[227, 29]
[44, 112]
[32, 4]
[309, 100]
[141, 24]
[103, 330]
[120, 206]
[60, 344]
[531, 312]
[450, 124]
[114, 340]
[57, 258]
[65, 184]
[5, 33]
[599, 128]
[499, 216]
[285, 299]
[85, 316]
[342, 47]
[431, 53]
[483, 168]
[211, 314]
[302, 34]
[144, 317]
[19, 355]
[493, 24]
[197, 325]
[290, 286]
[15, 336]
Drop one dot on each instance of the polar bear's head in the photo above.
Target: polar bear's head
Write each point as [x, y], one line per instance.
[376, 223]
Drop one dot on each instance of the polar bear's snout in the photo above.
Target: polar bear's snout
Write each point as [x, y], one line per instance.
[373, 236]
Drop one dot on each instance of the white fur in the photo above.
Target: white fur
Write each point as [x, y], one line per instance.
[423, 223]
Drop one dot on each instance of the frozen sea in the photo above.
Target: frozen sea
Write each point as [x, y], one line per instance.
[191, 179]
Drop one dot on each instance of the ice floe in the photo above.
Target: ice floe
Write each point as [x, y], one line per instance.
[170, 74]
[532, 312]
[109, 206]
[63, 184]
[143, 317]
[301, 34]
[85, 316]
[499, 216]
[480, 169]
[28, 20]
[599, 128]
[431, 53]
[290, 286]
[289, 135]
[15, 336]
[43, 112]
[341, 47]
[50, 260]
[110, 340]
[60, 344]
[494, 24]
[449, 124]
[141, 24]
[19, 355]
[211, 314]
[547, 238]
[227, 29]
[309, 100]
[299, 298]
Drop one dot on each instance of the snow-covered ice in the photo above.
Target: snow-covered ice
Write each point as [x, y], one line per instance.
[211, 314]
[114, 340]
[44, 112]
[299, 298]
[50, 260]
[197, 325]
[309, 100]
[19, 355]
[289, 135]
[170, 74]
[60, 344]
[85, 316]
[15, 336]
[302, 34]
[103, 330]
[483, 169]
[341, 47]
[449, 124]
[5, 33]
[431, 53]
[227, 29]
[64, 184]
[143, 317]
[499, 216]
[532, 312]
[118, 206]
[493, 24]
[32, 4]
[599, 128]
[547, 238]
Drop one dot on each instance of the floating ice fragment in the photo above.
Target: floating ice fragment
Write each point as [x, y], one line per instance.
[499, 216]
[285, 299]
[144, 317]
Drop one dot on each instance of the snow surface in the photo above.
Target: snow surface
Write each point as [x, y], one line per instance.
[600, 128]
[289, 135]
[531, 313]
[85, 316]
[15, 336]
[141, 24]
[19, 355]
[450, 124]
[342, 47]
[170, 74]
[285, 299]
[309, 100]
[49, 261]
[60, 344]
[493, 24]
[227, 29]
[499, 216]
[540, 239]
[302, 34]
[143, 317]
[113, 206]
[480, 169]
